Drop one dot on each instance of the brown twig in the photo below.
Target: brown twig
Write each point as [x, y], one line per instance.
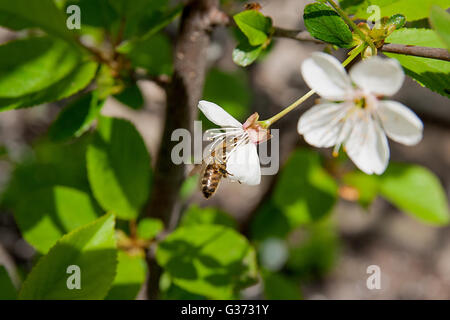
[425, 52]
[295, 35]
[183, 93]
[161, 80]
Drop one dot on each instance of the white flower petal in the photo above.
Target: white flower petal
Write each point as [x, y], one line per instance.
[322, 124]
[400, 123]
[325, 74]
[243, 165]
[367, 146]
[217, 115]
[377, 75]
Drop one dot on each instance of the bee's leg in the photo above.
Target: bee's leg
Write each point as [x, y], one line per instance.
[229, 174]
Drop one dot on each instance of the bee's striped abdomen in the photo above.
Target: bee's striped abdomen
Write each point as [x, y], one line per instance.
[210, 180]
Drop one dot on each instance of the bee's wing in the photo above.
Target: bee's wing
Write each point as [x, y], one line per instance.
[199, 168]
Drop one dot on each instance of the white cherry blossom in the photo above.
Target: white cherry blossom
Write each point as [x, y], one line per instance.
[242, 161]
[353, 115]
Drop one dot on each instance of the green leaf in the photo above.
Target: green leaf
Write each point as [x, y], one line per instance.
[144, 18]
[126, 8]
[209, 260]
[196, 215]
[46, 214]
[92, 248]
[279, 287]
[35, 13]
[254, 25]
[131, 96]
[107, 83]
[189, 186]
[325, 24]
[440, 20]
[304, 191]
[8, 291]
[417, 191]
[367, 185]
[245, 54]
[118, 166]
[130, 10]
[351, 6]
[11, 22]
[33, 64]
[149, 228]
[412, 9]
[76, 118]
[316, 254]
[170, 291]
[397, 20]
[96, 13]
[158, 20]
[219, 84]
[153, 54]
[130, 276]
[270, 222]
[50, 165]
[74, 82]
[432, 73]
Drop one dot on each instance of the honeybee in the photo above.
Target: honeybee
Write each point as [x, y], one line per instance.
[253, 6]
[214, 168]
[210, 178]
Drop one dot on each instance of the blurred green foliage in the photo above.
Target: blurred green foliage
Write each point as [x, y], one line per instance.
[230, 90]
[148, 228]
[76, 118]
[50, 164]
[46, 214]
[131, 96]
[304, 191]
[278, 286]
[195, 215]
[413, 189]
[8, 291]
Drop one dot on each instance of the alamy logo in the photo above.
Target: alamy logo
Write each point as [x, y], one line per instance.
[74, 20]
[374, 280]
[190, 150]
[374, 20]
[73, 281]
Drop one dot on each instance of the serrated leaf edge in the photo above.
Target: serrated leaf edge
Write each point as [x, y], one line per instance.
[64, 237]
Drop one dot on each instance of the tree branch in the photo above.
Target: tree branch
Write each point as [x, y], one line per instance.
[183, 93]
[425, 52]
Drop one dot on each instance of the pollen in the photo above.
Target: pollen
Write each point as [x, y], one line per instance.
[360, 102]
